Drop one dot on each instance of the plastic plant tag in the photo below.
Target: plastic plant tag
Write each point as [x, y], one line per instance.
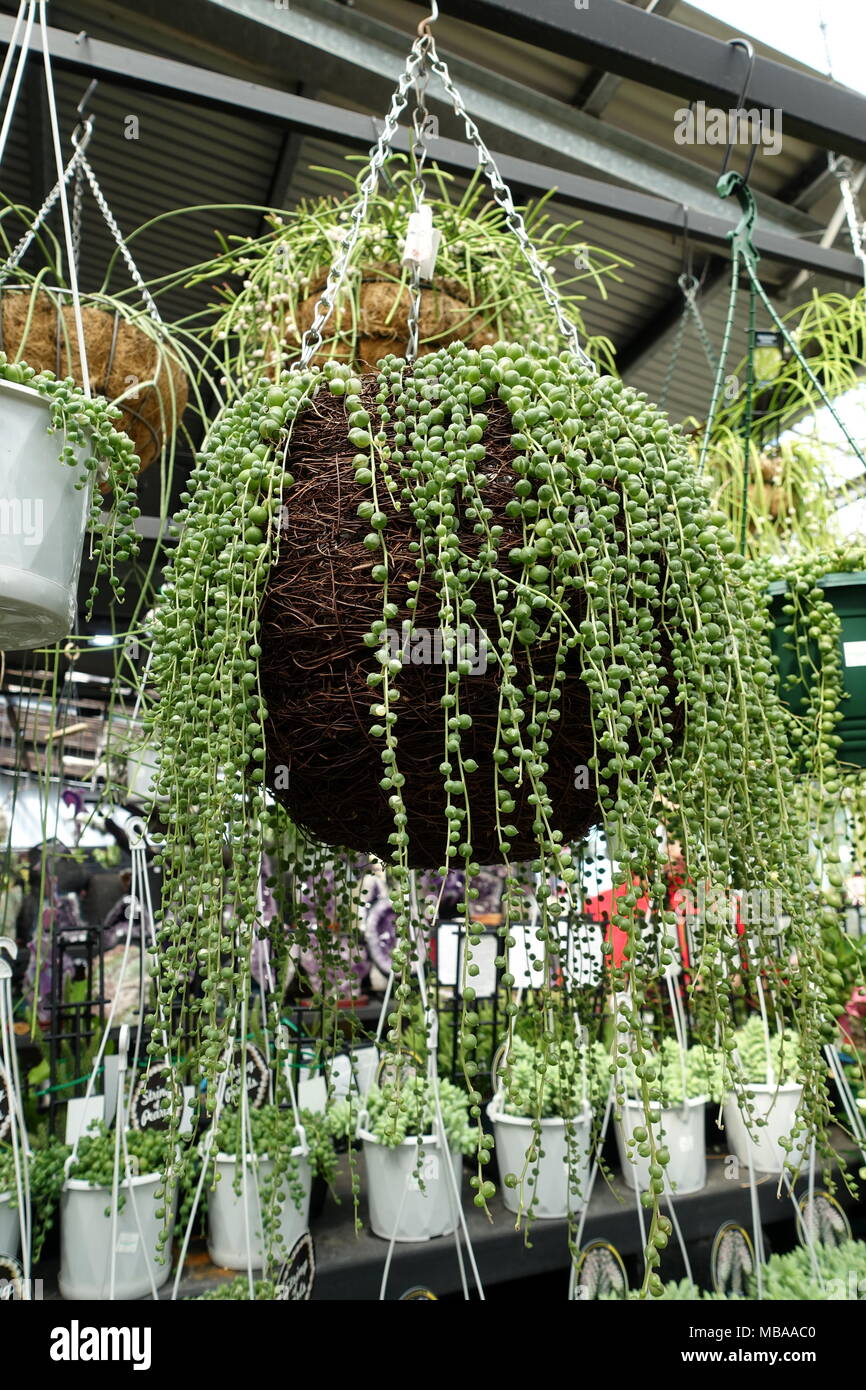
[422, 241]
[855, 653]
[109, 1081]
[80, 1113]
[341, 1075]
[313, 1094]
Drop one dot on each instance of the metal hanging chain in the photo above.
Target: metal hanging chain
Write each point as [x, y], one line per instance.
[689, 286]
[513, 219]
[312, 339]
[842, 168]
[111, 224]
[420, 116]
[674, 357]
[422, 54]
[30, 8]
[23, 245]
[690, 290]
[79, 167]
[77, 199]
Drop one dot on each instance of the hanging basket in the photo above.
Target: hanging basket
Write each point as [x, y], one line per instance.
[446, 316]
[548, 1191]
[411, 1196]
[86, 1234]
[235, 1236]
[119, 354]
[10, 1226]
[774, 1110]
[682, 1127]
[320, 602]
[847, 594]
[43, 516]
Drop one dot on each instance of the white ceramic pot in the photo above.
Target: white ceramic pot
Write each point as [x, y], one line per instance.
[42, 523]
[10, 1226]
[683, 1129]
[547, 1181]
[85, 1240]
[235, 1238]
[400, 1209]
[777, 1105]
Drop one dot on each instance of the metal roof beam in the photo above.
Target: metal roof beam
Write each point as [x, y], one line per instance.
[670, 57]
[176, 80]
[600, 88]
[531, 120]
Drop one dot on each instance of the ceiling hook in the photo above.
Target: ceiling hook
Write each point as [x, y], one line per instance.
[82, 133]
[84, 102]
[424, 27]
[750, 54]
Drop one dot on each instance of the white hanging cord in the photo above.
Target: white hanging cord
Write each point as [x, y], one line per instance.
[20, 250]
[680, 1026]
[16, 1118]
[590, 1184]
[849, 1104]
[30, 5]
[432, 1029]
[207, 1146]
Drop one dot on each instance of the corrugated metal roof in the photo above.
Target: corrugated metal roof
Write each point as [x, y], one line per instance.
[188, 154]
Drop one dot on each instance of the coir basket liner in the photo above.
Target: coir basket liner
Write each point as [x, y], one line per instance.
[324, 766]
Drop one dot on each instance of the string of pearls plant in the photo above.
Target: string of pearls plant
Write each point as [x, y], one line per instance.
[630, 583]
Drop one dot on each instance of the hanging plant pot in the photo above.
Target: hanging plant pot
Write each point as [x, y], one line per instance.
[120, 355]
[85, 1239]
[778, 1106]
[682, 1128]
[847, 595]
[325, 594]
[10, 1225]
[235, 1236]
[400, 1207]
[382, 326]
[547, 1191]
[43, 517]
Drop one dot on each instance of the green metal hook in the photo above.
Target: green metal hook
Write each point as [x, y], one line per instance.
[740, 236]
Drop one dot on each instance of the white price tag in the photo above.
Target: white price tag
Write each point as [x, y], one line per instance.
[429, 1172]
[687, 1143]
[422, 241]
[313, 1094]
[127, 1243]
[855, 653]
[80, 1114]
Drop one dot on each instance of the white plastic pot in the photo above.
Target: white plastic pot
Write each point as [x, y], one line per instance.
[231, 1231]
[85, 1240]
[10, 1226]
[547, 1180]
[683, 1129]
[399, 1208]
[42, 523]
[778, 1105]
